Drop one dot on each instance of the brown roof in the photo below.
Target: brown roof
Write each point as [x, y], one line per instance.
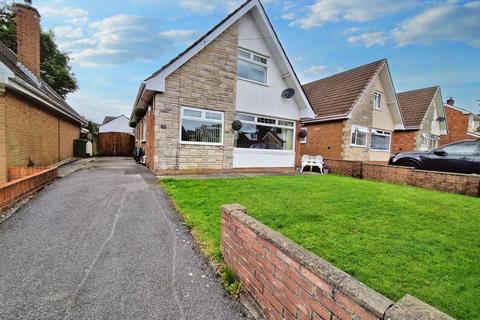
[414, 105]
[337, 95]
[9, 58]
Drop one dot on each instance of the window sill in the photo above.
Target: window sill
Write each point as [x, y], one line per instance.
[357, 146]
[252, 150]
[376, 150]
[201, 144]
[253, 81]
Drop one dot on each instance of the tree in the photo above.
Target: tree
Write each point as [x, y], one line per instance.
[54, 63]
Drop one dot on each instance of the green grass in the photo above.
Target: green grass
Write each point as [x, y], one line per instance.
[395, 239]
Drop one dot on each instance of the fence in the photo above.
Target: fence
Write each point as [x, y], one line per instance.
[467, 184]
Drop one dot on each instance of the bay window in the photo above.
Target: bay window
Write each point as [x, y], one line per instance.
[252, 66]
[380, 140]
[359, 136]
[264, 133]
[200, 126]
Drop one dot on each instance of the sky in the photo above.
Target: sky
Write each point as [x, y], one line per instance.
[115, 44]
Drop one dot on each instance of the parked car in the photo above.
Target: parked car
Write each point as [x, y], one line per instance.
[461, 157]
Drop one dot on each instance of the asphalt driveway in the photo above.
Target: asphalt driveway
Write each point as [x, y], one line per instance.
[103, 243]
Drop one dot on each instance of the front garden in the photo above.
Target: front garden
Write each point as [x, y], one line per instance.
[395, 239]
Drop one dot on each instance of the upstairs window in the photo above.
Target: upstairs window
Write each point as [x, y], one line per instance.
[377, 100]
[199, 126]
[425, 140]
[359, 136]
[252, 66]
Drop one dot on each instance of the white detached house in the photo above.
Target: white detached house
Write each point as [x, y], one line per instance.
[231, 101]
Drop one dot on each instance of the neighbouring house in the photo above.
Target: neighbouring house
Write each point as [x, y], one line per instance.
[424, 118]
[357, 112]
[115, 124]
[231, 101]
[37, 126]
[462, 124]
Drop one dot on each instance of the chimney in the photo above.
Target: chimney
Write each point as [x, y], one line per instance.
[28, 36]
[450, 101]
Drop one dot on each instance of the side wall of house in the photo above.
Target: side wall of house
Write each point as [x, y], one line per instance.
[325, 139]
[33, 134]
[208, 81]
[457, 126]
[404, 141]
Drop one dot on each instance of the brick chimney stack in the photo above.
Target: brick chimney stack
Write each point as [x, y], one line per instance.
[28, 36]
[450, 101]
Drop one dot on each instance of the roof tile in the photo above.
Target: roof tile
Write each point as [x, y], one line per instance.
[414, 105]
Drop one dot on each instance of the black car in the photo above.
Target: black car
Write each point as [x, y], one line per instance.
[461, 157]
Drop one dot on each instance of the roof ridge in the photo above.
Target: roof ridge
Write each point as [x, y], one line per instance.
[421, 89]
[346, 71]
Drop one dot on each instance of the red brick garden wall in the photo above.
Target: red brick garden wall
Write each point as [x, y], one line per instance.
[289, 282]
[466, 184]
[17, 190]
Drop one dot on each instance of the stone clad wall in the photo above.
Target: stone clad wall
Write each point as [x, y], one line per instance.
[289, 282]
[208, 81]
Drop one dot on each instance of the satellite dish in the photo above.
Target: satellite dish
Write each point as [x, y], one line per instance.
[288, 93]
[237, 125]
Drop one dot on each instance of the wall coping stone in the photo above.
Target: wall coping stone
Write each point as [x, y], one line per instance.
[368, 298]
[411, 308]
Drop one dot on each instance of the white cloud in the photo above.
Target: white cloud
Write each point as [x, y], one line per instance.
[369, 39]
[124, 38]
[68, 32]
[75, 14]
[88, 106]
[317, 72]
[288, 16]
[323, 11]
[452, 22]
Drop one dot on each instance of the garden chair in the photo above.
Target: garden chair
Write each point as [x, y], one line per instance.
[318, 162]
[312, 161]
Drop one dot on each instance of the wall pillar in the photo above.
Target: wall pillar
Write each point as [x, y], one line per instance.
[3, 137]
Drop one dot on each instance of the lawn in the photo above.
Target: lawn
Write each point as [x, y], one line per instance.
[395, 239]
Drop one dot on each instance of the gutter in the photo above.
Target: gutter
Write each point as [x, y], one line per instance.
[330, 118]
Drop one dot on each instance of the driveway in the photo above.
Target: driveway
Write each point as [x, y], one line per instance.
[103, 243]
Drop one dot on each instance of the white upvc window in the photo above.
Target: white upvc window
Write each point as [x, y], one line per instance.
[359, 136]
[144, 129]
[377, 100]
[252, 66]
[260, 132]
[425, 140]
[201, 126]
[380, 140]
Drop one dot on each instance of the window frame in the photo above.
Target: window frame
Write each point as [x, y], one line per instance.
[384, 133]
[203, 119]
[253, 61]
[276, 125]
[425, 136]
[377, 96]
[359, 129]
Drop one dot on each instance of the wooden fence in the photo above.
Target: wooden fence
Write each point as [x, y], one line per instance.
[115, 144]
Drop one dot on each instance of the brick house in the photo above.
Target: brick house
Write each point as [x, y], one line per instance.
[115, 124]
[462, 124]
[357, 112]
[37, 126]
[223, 104]
[424, 117]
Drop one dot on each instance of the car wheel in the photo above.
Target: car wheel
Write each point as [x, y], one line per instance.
[407, 163]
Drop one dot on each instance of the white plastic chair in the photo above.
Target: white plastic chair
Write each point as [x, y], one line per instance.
[312, 161]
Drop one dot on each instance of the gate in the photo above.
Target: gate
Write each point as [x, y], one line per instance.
[115, 144]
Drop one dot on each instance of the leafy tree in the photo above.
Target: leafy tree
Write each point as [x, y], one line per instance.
[54, 63]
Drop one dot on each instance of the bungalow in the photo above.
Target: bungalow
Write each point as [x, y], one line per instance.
[357, 112]
[231, 101]
[424, 117]
[115, 124]
[37, 126]
[462, 124]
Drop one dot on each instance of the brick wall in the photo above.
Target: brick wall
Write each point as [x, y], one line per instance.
[467, 184]
[457, 123]
[404, 141]
[325, 138]
[289, 282]
[28, 132]
[15, 191]
[208, 80]
[150, 146]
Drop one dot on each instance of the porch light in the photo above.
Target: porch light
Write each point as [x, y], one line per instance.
[303, 133]
[237, 125]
